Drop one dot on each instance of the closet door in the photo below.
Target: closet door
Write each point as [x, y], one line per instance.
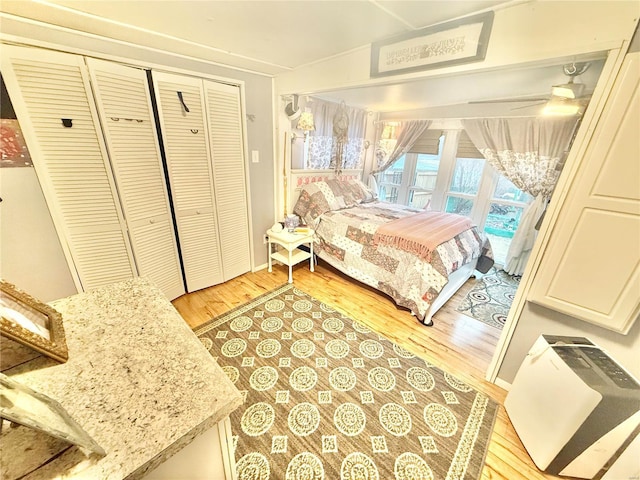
[183, 123]
[51, 95]
[227, 150]
[124, 105]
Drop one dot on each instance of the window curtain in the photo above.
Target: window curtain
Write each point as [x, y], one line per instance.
[324, 150]
[529, 152]
[407, 133]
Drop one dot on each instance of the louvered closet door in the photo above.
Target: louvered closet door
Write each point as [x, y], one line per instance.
[71, 163]
[227, 149]
[124, 105]
[190, 177]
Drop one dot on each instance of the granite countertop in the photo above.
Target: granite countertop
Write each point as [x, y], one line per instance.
[137, 380]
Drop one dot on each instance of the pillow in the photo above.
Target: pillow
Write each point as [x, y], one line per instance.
[345, 192]
[368, 195]
[315, 199]
[321, 197]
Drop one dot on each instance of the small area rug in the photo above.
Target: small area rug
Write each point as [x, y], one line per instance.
[491, 297]
[327, 398]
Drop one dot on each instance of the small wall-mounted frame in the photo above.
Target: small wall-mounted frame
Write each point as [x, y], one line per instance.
[31, 323]
[452, 43]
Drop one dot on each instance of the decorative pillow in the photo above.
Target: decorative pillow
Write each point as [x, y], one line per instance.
[321, 197]
[368, 195]
[315, 199]
[345, 192]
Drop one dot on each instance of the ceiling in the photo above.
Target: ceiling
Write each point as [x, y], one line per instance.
[271, 37]
[264, 36]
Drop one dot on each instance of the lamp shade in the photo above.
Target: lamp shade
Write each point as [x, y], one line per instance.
[306, 121]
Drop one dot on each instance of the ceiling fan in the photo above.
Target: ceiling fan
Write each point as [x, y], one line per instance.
[566, 98]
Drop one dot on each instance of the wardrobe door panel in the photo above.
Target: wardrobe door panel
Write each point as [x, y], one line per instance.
[50, 93]
[124, 105]
[154, 250]
[227, 150]
[181, 109]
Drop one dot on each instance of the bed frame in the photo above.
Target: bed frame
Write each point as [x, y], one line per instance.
[299, 178]
[456, 280]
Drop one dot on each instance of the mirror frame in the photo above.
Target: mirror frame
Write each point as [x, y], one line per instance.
[25, 406]
[56, 346]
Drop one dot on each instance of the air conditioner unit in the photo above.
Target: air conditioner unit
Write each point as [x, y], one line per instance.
[576, 410]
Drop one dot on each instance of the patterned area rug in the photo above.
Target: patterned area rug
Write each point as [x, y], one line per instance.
[490, 299]
[326, 398]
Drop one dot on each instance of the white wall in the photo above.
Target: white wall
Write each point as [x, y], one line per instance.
[30, 253]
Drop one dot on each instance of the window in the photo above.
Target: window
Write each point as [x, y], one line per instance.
[423, 180]
[390, 182]
[457, 179]
[464, 185]
[413, 178]
[503, 218]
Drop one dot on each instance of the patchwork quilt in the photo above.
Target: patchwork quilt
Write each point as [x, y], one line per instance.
[346, 220]
[345, 240]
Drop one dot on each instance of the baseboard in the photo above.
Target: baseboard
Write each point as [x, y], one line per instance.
[503, 384]
[260, 267]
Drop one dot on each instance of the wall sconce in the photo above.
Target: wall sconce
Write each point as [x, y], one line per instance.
[291, 109]
[306, 122]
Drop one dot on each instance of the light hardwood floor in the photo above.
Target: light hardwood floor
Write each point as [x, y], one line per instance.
[456, 343]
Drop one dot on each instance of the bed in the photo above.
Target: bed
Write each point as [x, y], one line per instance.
[348, 221]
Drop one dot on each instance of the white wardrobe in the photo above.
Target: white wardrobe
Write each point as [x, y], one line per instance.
[91, 131]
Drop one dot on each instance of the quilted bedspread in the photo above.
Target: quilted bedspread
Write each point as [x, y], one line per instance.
[345, 240]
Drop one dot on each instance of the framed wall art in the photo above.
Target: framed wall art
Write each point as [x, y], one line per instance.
[451, 43]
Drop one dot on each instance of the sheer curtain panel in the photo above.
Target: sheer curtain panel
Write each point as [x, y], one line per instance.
[529, 152]
[323, 152]
[407, 133]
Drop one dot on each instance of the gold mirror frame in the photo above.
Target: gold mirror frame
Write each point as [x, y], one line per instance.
[39, 316]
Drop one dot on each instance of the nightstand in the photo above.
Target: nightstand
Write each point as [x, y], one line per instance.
[290, 254]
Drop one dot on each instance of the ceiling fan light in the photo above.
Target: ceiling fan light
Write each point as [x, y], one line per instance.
[568, 90]
[561, 106]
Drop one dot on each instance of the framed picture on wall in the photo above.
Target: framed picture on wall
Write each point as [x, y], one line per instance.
[13, 149]
[452, 43]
